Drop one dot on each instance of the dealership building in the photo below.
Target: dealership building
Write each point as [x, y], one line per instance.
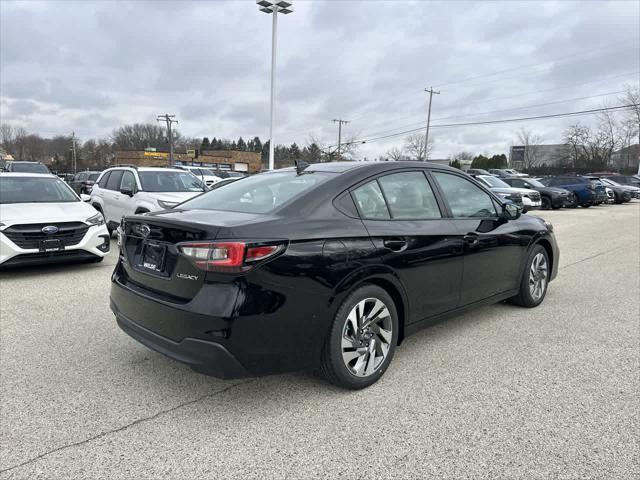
[239, 161]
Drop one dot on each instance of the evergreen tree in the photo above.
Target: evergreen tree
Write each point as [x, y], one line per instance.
[205, 145]
[234, 146]
[312, 153]
[294, 152]
[241, 145]
[455, 163]
[257, 144]
[265, 151]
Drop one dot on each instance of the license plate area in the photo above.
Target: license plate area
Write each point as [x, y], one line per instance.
[153, 258]
[53, 245]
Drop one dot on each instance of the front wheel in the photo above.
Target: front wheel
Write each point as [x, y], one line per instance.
[546, 203]
[535, 279]
[362, 339]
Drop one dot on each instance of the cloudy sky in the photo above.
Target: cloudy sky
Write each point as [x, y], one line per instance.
[93, 66]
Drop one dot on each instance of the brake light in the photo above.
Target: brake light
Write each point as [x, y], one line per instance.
[227, 256]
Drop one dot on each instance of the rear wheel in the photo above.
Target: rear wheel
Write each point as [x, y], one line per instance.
[362, 339]
[574, 201]
[585, 205]
[535, 279]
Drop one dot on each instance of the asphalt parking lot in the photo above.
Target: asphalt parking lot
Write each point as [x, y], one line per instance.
[502, 392]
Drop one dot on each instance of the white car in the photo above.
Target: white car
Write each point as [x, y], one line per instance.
[203, 173]
[122, 191]
[531, 199]
[43, 220]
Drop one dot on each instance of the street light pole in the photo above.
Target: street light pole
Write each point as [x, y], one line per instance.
[273, 7]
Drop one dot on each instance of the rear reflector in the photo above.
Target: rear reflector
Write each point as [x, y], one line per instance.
[227, 256]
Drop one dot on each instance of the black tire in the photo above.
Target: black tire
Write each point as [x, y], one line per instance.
[333, 367]
[585, 205]
[524, 297]
[574, 201]
[546, 203]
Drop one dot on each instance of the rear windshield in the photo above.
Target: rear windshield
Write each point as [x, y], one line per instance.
[29, 168]
[494, 182]
[93, 177]
[34, 190]
[170, 181]
[258, 194]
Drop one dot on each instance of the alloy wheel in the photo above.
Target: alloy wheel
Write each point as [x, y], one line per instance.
[366, 337]
[538, 276]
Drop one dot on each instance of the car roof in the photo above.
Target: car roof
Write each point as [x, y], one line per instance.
[374, 167]
[146, 169]
[21, 161]
[25, 174]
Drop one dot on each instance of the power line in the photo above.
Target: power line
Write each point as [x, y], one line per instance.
[506, 120]
[382, 132]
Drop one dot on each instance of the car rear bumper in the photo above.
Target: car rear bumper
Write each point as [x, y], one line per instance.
[203, 356]
[94, 244]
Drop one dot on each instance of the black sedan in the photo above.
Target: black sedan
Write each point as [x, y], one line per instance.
[552, 197]
[327, 266]
[83, 182]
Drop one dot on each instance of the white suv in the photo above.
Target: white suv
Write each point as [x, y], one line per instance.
[204, 174]
[122, 191]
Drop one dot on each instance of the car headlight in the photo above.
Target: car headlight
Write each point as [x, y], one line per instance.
[549, 225]
[97, 219]
[167, 205]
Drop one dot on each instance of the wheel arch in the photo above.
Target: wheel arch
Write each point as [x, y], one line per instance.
[546, 244]
[140, 210]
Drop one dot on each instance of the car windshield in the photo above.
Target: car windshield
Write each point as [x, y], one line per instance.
[28, 167]
[169, 181]
[207, 171]
[494, 182]
[34, 190]
[93, 177]
[535, 183]
[258, 194]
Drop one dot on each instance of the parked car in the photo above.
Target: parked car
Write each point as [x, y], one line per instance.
[228, 174]
[326, 267]
[43, 220]
[83, 182]
[476, 171]
[124, 191]
[634, 192]
[630, 180]
[506, 172]
[25, 167]
[551, 197]
[614, 194]
[583, 188]
[530, 198]
[205, 174]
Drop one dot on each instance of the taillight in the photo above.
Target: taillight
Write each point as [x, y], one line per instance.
[227, 256]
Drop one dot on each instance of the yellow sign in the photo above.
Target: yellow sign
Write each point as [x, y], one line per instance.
[156, 154]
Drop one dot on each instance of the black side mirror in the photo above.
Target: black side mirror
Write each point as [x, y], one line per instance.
[126, 191]
[511, 211]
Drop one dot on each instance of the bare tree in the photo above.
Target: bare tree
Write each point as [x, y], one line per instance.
[630, 126]
[395, 154]
[531, 142]
[7, 137]
[415, 146]
[576, 137]
[348, 149]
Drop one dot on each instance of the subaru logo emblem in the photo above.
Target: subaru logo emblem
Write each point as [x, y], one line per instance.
[50, 229]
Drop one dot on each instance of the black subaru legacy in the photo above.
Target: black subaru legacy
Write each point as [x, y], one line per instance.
[327, 266]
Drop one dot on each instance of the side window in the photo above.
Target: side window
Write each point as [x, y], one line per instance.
[114, 180]
[128, 181]
[370, 201]
[103, 181]
[81, 177]
[465, 199]
[517, 183]
[409, 196]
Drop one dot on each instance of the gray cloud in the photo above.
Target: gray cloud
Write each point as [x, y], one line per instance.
[92, 66]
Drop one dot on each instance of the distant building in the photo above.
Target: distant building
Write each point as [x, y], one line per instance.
[627, 158]
[239, 161]
[549, 155]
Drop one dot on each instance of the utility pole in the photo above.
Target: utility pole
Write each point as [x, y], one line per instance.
[426, 136]
[73, 151]
[340, 122]
[169, 119]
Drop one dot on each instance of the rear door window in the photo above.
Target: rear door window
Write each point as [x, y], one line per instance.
[409, 196]
[128, 182]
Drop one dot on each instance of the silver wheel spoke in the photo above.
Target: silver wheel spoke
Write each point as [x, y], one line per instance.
[366, 337]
